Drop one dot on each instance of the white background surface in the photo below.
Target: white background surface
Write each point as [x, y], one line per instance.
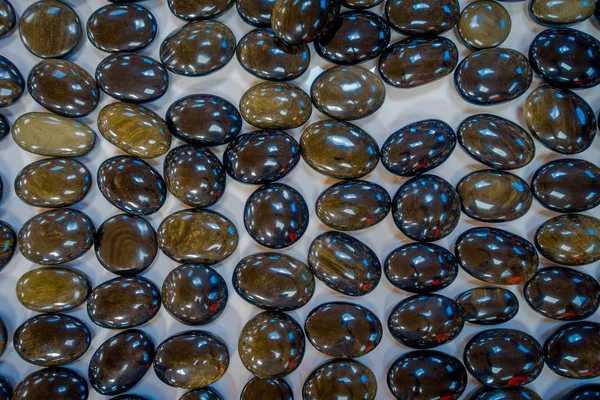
[436, 100]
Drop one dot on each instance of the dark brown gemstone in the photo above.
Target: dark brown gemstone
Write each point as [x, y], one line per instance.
[488, 305]
[547, 12]
[3, 338]
[192, 10]
[484, 24]
[573, 350]
[297, 23]
[8, 243]
[513, 393]
[256, 12]
[5, 386]
[54, 383]
[360, 4]
[261, 389]
[4, 125]
[411, 18]
[205, 393]
[8, 20]
[12, 84]
[339, 379]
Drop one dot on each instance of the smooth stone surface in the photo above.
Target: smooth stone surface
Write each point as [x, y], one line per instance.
[276, 215]
[347, 92]
[205, 393]
[271, 345]
[338, 379]
[131, 185]
[4, 126]
[50, 29]
[5, 386]
[121, 362]
[194, 294]
[496, 256]
[204, 120]
[126, 244]
[272, 389]
[418, 147]
[570, 239]
[360, 4]
[3, 337]
[492, 76]
[12, 83]
[8, 244]
[573, 350]
[53, 182]
[127, 27]
[411, 376]
[339, 149]
[197, 236]
[353, 205]
[191, 359]
[514, 393]
[256, 12]
[192, 10]
[8, 18]
[496, 141]
[59, 383]
[264, 55]
[63, 87]
[51, 135]
[484, 24]
[560, 13]
[275, 105]
[344, 263]
[429, 221]
[56, 236]
[274, 281]
[560, 119]
[51, 340]
[52, 289]
[583, 392]
[124, 302]
[340, 329]
[182, 53]
[488, 305]
[297, 23]
[194, 175]
[410, 18]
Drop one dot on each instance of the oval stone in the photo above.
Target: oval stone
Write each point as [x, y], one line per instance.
[63, 87]
[205, 393]
[273, 389]
[4, 126]
[410, 18]
[275, 105]
[513, 393]
[488, 305]
[296, 23]
[8, 244]
[184, 54]
[55, 383]
[51, 340]
[197, 236]
[12, 83]
[124, 302]
[256, 12]
[53, 182]
[56, 236]
[583, 392]
[274, 281]
[496, 256]
[479, 84]
[338, 379]
[344, 263]
[52, 289]
[560, 13]
[8, 20]
[193, 10]
[573, 350]
[484, 24]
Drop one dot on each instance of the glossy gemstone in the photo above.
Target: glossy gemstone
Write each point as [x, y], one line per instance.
[513, 393]
[344, 263]
[488, 305]
[129, 397]
[353, 205]
[274, 281]
[573, 350]
[4, 125]
[276, 215]
[256, 12]
[131, 185]
[194, 10]
[583, 392]
[56, 236]
[51, 340]
[484, 24]
[55, 383]
[410, 18]
[493, 76]
[560, 13]
[338, 379]
[53, 182]
[3, 338]
[429, 221]
[297, 23]
[8, 19]
[205, 393]
[360, 4]
[272, 389]
[8, 244]
[271, 345]
[496, 256]
[184, 53]
[12, 84]
[275, 105]
[124, 302]
[5, 386]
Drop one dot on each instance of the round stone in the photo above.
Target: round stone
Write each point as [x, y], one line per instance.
[484, 24]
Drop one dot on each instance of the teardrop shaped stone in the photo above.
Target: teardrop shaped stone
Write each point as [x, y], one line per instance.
[51, 135]
[339, 149]
[414, 62]
[192, 10]
[54, 383]
[131, 185]
[410, 18]
[53, 182]
[271, 345]
[570, 239]
[127, 27]
[275, 105]
[347, 92]
[338, 379]
[512, 393]
[52, 289]
[8, 19]
[492, 76]
[418, 147]
[274, 281]
[296, 23]
[197, 236]
[63, 87]
[583, 392]
[205, 393]
[573, 350]
[341, 329]
[124, 302]
[256, 12]
[496, 141]
[484, 24]
[264, 55]
[191, 359]
[56, 236]
[4, 126]
[344, 263]
[496, 256]
[8, 244]
[198, 48]
[488, 305]
[561, 120]
[121, 362]
[12, 83]
[194, 175]
[51, 340]
[272, 389]
[5, 386]
[429, 221]
[560, 13]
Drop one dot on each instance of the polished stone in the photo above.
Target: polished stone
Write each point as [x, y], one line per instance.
[484, 24]
[560, 13]
[256, 12]
[513, 393]
[488, 305]
[339, 379]
[583, 392]
[272, 389]
[302, 22]
[8, 243]
[55, 383]
[192, 10]
[205, 393]
[52, 289]
[12, 83]
[129, 397]
[360, 4]
[5, 386]
[8, 18]
[4, 126]
[410, 18]
[573, 350]
[3, 338]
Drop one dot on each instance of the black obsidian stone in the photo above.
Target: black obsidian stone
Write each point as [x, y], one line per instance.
[513, 393]
[415, 18]
[340, 379]
[488, 305]
[584, 392]
[573, 350]
[262, 389]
